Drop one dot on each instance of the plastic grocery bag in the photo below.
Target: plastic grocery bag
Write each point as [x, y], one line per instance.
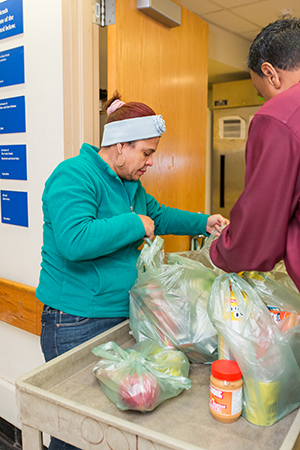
[279, 273]
[270, 372]
[202, 255]
[283, 304]
[168, 303]
[141, 377]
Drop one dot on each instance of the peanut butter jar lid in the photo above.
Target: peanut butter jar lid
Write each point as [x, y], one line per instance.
[225, 369]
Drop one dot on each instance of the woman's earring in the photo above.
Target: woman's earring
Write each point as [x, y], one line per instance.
[120, 165]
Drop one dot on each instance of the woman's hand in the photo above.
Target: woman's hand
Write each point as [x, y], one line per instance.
[148, 225]
[215, 223]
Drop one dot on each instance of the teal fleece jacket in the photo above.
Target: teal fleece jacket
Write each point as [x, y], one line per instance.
[92, 232]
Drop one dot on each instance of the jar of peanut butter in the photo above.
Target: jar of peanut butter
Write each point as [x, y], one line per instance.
[226, 384]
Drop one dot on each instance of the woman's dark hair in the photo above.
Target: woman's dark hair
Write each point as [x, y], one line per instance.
[278, 44]
[129, 110]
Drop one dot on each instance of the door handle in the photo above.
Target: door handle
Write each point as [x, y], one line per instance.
[222, 181]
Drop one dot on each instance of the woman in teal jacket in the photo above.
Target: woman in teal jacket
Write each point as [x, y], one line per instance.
[96, 215]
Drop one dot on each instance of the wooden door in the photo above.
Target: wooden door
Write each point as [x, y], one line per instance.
[166, 68]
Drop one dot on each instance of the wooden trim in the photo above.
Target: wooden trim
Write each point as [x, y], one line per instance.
[96, 84]
[112, 78]
[80, 40]
[19, 306]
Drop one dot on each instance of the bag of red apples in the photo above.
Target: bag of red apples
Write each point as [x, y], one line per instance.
[143, 376]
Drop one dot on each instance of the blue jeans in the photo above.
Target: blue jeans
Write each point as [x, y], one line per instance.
[62, 332]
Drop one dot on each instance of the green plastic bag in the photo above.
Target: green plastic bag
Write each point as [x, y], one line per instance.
[283, 304]
[270, 372]
[279, 273]
[168, 303]
[141, 377]
[202, 255]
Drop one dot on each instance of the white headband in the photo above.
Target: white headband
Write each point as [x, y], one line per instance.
[135, 129]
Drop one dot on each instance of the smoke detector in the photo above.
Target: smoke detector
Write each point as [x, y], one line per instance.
[285, 14]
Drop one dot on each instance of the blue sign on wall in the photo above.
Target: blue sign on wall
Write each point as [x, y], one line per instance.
[12, 115]
[11, 18]
[14, 208]
[12, 66]
[13, 164]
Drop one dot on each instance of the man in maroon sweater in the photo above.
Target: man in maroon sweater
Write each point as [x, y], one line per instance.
[265, 221]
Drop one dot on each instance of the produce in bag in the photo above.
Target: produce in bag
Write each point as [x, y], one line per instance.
[141, 377]
[270, 372]
[283, 305]
[277, 297]
[234, 317]
[168, 302]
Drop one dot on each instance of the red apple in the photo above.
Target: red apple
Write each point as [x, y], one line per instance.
[139, 392]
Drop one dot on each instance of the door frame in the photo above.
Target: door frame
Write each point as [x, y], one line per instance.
[80, 42]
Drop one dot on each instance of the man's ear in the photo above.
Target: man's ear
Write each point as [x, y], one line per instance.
[271, 74]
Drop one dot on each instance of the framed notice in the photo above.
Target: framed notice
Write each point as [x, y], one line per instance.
[14, 208]
[11, 18]
[13, 162]
[12, 66]
[12, 115]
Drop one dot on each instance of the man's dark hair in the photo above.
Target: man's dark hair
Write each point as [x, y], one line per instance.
[278, 44]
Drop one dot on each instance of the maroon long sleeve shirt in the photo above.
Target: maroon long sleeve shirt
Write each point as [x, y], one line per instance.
[265, 221]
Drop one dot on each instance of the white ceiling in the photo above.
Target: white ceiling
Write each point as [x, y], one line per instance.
[244, 18]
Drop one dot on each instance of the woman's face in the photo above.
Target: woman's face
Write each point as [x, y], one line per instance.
[138, 157]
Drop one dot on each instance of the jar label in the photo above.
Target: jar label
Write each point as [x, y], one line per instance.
[225, 402]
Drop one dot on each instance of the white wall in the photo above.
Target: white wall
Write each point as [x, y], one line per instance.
[42, 41]
[20, 246]
[227, 48]
[19, 353]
